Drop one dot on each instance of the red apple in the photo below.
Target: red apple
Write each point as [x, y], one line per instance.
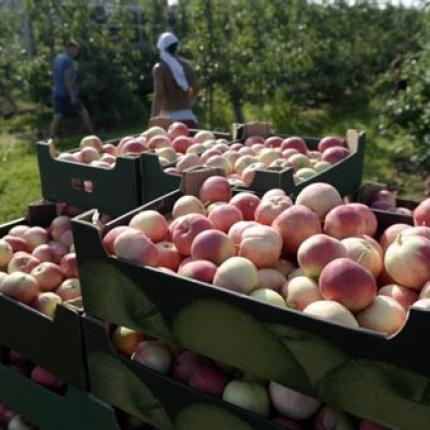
[46, 303]
[385, 315]
[70, 289]
[110, 236]
[251, 140]
[287, 153]
[69, 265]
[6, 414]
[185, 365]
[270, 207]
[22, 262]
[133, 245]
[294, 142]
[181, 144]
[288, 424]
[91, 141]
[224, 216]
[202, 136]
[126, 340]
[17, 243]
[421, 230]
[335, 154]
[407, 261]
[329, 142]
[18, 230]
[59, 250]
[329, 418]
[186, 228]
[212, 245]
[320, 198]
[295, 225]
[422, 213]
[291, 403]
[248, 174]
[35, 236]
[273, 142]
[262, 245]
[391, 233]
[176, 129]
[271, 279]
[151, 223]
[404, 296]
[236, 230]
[200, 270]
[168, 255]
[209, 379]
[87, 155]
[317, 251]
[274, 192]
[369, 425]
[47, 379]
[215, 189]
[49, 276]
[153, 354]
[44, 252]
[347, 282]
[109, 149]
[20, 286]
[247, 203]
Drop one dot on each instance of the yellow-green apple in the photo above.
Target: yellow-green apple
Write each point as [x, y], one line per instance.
[151, 223]
[251, 396]
[332, 311]
[20, 286]
[301, 291]
[46, 303]
[236, 274]
[70, 289]
[6, 253]
[126, 340]
[269, 296]
[93, 142]
[390, 234]
[320, 198]
[187, 205]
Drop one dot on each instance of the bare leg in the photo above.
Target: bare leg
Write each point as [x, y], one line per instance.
[86, 120]
[54, 125]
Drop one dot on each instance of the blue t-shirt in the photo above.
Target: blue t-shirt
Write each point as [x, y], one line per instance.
[62, 63]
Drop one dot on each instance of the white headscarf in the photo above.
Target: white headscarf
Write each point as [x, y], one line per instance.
[164, 41]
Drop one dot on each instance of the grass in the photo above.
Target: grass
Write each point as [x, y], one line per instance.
[19, 176]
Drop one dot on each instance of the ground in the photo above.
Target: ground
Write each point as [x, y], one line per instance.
[19, 176]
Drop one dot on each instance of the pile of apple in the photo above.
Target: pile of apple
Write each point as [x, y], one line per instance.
[9, 420]
[386, 200]
[239, 161]
[290, 409]
[318, 255]
[38, 266]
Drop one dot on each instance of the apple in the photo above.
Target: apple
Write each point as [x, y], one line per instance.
[385, 315]
[93, 142]
[299, 161]
[251, 140]
[47, 379]
[386, 196]
[35, 236]
[18, 230]
[135, 147]
[269, 296]
[422, 304]
[287, 153]
[369, 425]
[236, 274]
[153, 354]
[151, 223]
[274, 192]
[232, 157]
[44, 252]
[329, 418]
[390, 234]
[176, 129]
[305, 173]
[22, 262]
[185, 230]
[407, 261]
[20, 286]
[196, 148]
[291, 403]
[332, 311]
[46, 303]
[215, 189]
[126, 340]
[218, 161]
[224, 216]
[320, 198]
[168, 255]
[294, 142]
[404, 296]
[17, 243]
[329, 142]
[88, 154]
[6, 414]
[273, 142]
[236, 230]
[200, 270]
[17, 422]
[422, 213]
[321, 166]
[356, 293]
[6, 253]
[212, 245]
[335, 154]
[67, 156]
[248, 174]
[154, 131]
[288, 424]
[268, 155]
[133, 245]
[285, 266]
[317, 251]
[247, 203]
[202, 136]
[365, 253]
[271, 278]
[422, 231]
[70, 289]
[248, 395]
[109, 149]
[243, 162]
[301, 291]
[186, 205]
[187, 162]
[262, 245]
[185, 365]
[49, 276]
[209, 379]
[270, 207]
[69, 266]
[111, 235]
[249, 151]
[295, 225]
[425, 291]
[211, 152]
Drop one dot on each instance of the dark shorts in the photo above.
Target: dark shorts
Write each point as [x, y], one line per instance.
[64, 106]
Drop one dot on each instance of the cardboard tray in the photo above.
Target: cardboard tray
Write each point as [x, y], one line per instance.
[345, 175]
[55, 344]
[153, 397]
[112, 191]
[339, 365]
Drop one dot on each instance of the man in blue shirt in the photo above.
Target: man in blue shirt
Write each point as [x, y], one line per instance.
[65, 91]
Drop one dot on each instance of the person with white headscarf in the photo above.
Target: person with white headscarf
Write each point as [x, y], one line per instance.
[175, 83]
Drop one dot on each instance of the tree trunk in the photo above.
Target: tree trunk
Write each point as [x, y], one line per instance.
[236, 103]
